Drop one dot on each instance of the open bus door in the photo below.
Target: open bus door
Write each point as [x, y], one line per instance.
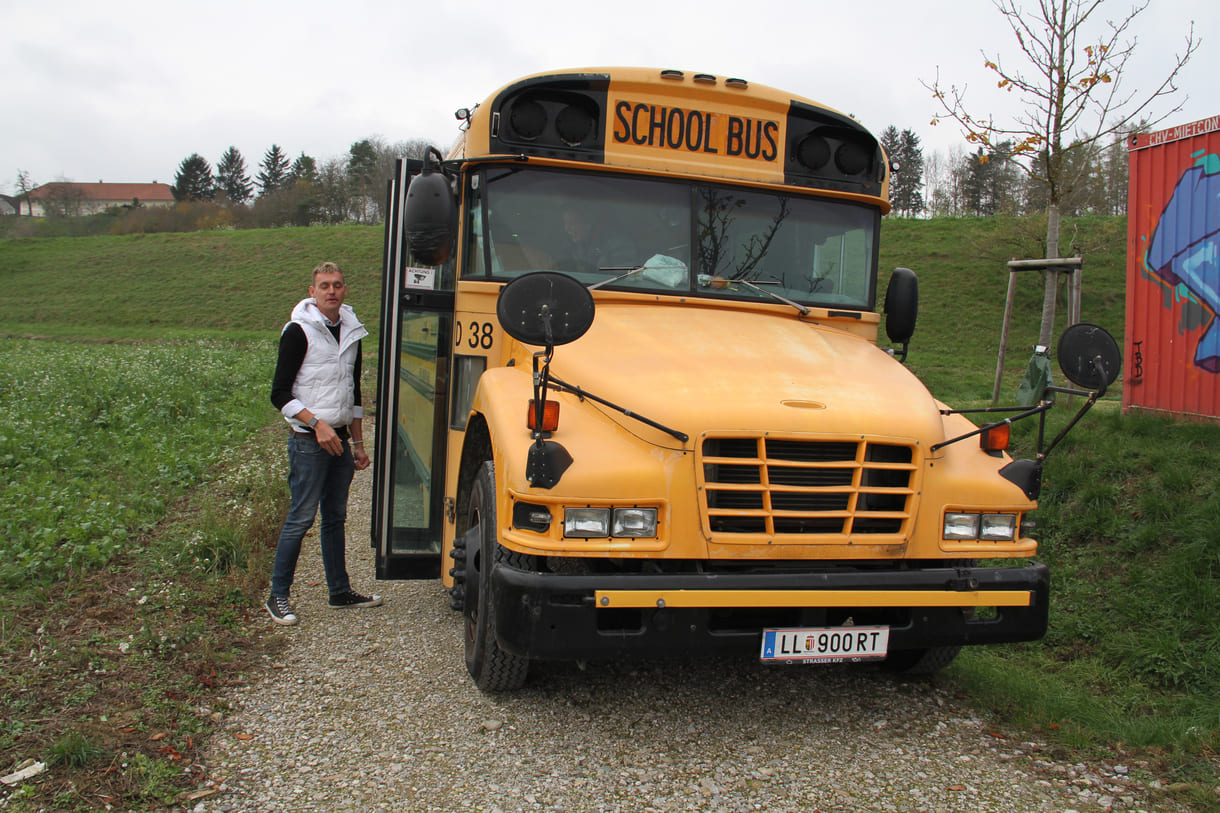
[412, 394]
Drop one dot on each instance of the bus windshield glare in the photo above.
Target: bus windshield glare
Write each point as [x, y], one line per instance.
[637, 234]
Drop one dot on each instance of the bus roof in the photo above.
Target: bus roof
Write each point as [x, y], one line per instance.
[676, 122]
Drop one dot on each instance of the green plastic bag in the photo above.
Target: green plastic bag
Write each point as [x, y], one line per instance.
[1037, 378]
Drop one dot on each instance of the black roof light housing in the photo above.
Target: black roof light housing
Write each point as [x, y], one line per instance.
[562, 116]
[831, 151]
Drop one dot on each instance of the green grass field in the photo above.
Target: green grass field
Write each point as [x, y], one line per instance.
[135, 373]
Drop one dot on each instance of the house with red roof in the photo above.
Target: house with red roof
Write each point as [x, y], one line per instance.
[67, 197]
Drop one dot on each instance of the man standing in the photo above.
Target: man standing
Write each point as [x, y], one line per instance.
[317, 389]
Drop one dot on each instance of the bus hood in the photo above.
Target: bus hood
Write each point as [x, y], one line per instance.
[696, 369]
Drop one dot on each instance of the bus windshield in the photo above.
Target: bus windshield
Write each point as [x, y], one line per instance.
[681, 237]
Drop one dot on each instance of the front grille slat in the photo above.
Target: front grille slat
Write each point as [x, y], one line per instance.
[822, 490]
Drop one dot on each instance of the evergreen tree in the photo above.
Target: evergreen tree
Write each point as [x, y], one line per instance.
[194, 179]
[990, 182]
[890, 142]
[974, 183]
[906, 183]
[305, 169]
[361, 170]
[1115, 172]
[303, 189]
[1003, 181]
[231, 177]
[908, 196]
[273, 172]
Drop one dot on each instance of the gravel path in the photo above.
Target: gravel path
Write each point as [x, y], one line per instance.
[371, 710]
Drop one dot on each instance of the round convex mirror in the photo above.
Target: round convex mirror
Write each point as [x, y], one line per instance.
[1083, 347]
[545, 309]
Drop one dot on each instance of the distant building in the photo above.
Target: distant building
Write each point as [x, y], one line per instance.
[90, 198]
[8, 206]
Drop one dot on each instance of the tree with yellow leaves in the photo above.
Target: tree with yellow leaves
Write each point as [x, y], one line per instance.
[1069, 77]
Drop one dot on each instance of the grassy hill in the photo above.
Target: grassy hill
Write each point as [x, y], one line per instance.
[239, 284]
[963, 280]
[1130, 516]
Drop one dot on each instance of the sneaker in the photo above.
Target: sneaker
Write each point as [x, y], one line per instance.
[351, 598]
[281, 610]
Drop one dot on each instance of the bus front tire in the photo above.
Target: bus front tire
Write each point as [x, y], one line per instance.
[492, 669]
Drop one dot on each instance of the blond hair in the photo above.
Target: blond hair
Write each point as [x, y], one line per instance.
[325, 268]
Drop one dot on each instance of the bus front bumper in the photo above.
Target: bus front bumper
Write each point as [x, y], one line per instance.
[579, 617]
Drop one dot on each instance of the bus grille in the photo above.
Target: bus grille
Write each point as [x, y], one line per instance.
[817, 488]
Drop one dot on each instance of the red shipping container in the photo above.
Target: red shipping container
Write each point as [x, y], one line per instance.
[1172, 358]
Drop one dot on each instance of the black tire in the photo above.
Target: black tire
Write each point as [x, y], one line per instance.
[920, 661]
[492, 669]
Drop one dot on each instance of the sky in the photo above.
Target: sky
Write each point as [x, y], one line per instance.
[124, 90]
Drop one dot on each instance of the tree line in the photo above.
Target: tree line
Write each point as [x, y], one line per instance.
[987, 181]
[351, 188]
[300, 192]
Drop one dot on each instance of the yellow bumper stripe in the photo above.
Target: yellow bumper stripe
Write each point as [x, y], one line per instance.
[610, 599]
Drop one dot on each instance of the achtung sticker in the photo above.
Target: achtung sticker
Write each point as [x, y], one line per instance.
[419, 278]
[695, 131]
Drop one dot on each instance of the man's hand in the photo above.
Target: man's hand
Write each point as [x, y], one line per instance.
[361, 456]
[328, 439]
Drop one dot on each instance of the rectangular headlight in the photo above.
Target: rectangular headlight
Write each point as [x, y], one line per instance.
[961, 526]
[586, 523]
[634, 522]
[998, 527]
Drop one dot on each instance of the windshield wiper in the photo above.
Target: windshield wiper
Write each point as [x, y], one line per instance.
[774, 296]
[580, 393]
[630, 272]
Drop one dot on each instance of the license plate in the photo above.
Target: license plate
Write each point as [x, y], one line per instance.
[825, 644]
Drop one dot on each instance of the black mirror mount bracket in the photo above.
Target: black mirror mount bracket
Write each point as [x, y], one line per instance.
[1089, 357]
[544, 309]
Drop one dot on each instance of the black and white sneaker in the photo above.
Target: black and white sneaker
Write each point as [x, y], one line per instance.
[281, 610]
[342, 601]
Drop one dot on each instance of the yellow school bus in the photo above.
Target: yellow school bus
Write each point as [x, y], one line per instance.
[632, 400]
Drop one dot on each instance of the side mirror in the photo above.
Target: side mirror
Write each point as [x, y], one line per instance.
[430, 215]
[545, 309]
[1089, 357]
[901, 307]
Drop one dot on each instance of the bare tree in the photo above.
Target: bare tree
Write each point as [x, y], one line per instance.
[1072, 97]
[64, 199]
[24, 187]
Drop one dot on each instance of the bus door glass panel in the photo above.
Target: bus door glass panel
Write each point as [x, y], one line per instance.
[421, 376]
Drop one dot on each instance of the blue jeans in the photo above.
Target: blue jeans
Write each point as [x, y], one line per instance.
[315, 479]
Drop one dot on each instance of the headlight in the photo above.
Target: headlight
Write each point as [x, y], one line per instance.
[585, 523]
[961, 526]
[984, 527]
[998, 527]
[635, 522]
[594, 523]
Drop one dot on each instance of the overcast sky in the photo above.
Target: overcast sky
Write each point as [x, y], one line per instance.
[123, 90]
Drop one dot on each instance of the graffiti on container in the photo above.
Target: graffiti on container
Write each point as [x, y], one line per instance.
[1184, 253]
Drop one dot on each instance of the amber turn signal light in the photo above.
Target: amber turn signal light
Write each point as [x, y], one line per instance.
[996, 438]
[550, 416]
